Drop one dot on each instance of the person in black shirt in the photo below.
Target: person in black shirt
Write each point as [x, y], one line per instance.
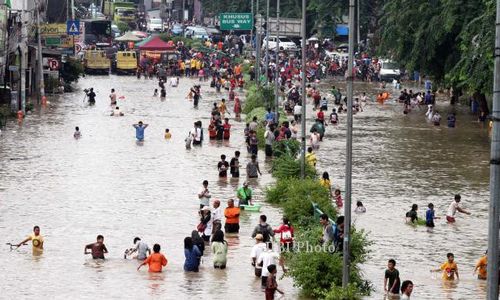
[391, 278]
[222, 166]
[91, 96]
[235, 165]
[411, 216]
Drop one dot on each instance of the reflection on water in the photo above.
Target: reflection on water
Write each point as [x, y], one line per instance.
[107, 184]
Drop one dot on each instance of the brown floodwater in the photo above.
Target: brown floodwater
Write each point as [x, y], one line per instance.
[105, 183]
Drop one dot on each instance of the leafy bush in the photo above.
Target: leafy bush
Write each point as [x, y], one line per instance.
[287, 167]
[319, 272]
[123, 27]
[290, 148]
[258, 97]
[71, 70]
[295, 196]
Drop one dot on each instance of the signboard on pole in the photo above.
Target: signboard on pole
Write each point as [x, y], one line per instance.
[288, 27]
[55, 35]
[236, 21]
[73, 27]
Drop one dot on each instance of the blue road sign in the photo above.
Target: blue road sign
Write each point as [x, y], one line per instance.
[73, 27]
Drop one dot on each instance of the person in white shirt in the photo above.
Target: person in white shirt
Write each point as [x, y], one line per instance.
[174, 81]
[112, 97]
[217, 215]
[204, 195]
[257, 250]
[297, 112]
[268, 257]
[116, 112]
[453, 208]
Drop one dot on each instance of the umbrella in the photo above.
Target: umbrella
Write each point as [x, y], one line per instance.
[128, 37]
[140, 34]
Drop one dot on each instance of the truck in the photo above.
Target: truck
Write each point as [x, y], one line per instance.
[96, 62]
[121, 11]
[125, 62]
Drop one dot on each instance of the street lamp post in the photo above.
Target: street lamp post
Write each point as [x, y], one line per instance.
[348, 172]
[303, 115]
[492, 268]
[276, 77]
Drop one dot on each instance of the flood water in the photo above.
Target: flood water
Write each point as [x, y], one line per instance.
[107, 184]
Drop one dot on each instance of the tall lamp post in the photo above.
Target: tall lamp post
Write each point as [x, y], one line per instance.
[276, 77]
[303, 114]
[348, 168]
[492, 269]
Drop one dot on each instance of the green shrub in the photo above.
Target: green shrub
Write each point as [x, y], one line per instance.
[288, 167]
[319, 272]
[258, 97]
[295, 196]
[290, 148]
[339, 293]
[123, 27]
[260, 137]
[71, 70]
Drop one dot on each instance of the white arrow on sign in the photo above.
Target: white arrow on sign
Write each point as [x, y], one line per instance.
[236, 26]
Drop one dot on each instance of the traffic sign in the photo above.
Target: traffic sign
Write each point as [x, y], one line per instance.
[236, 21]
[73, 27]
[53, 64]
[78, 48]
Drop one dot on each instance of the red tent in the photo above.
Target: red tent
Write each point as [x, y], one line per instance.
[156, 44]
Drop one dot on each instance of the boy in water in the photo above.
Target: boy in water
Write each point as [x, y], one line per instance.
[272, 284]
[156, 261]
[453, 208]
[77, 133]
[139, 130]
[411, 216]
[429, 216]
[481, 267]
[168, 135]
[391, 280]
[97, 249]
[36, 240]
[449, 268]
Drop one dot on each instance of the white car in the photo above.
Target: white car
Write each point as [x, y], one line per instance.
[154, 25]
[195, 32]
[285, 43]
[389, 70]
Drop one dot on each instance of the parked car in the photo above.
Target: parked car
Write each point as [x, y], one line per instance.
[285, 43]
[177, 29]
[196, 32]
[154, 25]
[389, 70]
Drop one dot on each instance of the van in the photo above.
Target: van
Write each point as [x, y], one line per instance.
[389, 70]
[96, 62]
[126, 62]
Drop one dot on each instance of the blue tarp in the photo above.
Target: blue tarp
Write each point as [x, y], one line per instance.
[342, 30]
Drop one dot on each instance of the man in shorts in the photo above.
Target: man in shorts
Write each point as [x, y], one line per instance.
[453, 208]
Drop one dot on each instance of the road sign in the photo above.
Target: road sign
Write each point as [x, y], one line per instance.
[78, 48]
[236, 21]
[73, 27]
[53, 64]
[52, 41]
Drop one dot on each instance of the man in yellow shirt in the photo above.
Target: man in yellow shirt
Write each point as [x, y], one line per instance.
[36, 239]
[311, 157]
[481, 266]
[449, 268]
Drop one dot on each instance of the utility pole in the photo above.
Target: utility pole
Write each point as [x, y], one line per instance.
[303, 115]
[183, 19]
[492, 269]
[73, 10]
[41, 83]
[358, 35]
[348, 163]
[276, 77]
[258, 45]
[253, 18]
[267, 43]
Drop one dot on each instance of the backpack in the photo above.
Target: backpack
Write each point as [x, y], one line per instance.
[286, 235]
[264, 230]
